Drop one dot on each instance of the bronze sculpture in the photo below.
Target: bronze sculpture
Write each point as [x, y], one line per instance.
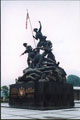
[45, 61]
[43, 81]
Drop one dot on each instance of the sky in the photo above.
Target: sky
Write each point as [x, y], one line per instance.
[60, 23]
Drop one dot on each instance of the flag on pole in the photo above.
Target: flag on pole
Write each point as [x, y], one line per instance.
[27, 17]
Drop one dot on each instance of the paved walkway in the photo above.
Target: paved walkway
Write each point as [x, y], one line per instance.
[13, 113]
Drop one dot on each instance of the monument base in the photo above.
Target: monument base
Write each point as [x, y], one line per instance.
[41, 95]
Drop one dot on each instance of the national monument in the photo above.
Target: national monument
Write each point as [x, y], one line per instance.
[43, 83]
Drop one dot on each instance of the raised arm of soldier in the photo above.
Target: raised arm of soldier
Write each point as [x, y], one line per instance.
[40, 27]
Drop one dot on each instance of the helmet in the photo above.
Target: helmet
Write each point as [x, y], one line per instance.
[35, 29]
[25, 44]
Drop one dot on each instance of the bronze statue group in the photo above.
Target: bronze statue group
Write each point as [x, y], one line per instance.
[35, 59]
[42, 66]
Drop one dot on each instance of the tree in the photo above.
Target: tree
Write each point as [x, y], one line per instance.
[74, 80]
[5, 90]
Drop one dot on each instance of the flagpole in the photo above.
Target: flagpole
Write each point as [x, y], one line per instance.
[31, 29]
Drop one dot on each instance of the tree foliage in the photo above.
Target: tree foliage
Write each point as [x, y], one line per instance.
[74, 80]
[5, 90]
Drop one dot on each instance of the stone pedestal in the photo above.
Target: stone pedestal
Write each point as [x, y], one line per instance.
[41, 95]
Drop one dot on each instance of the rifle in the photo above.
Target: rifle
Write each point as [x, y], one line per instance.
[22, 54]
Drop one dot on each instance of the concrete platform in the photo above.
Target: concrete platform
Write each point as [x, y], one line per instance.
[13, 113]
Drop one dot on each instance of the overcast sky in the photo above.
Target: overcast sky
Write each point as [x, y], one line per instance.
[60, 23]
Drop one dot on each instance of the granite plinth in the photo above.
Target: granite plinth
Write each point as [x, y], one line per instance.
[41, 95]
